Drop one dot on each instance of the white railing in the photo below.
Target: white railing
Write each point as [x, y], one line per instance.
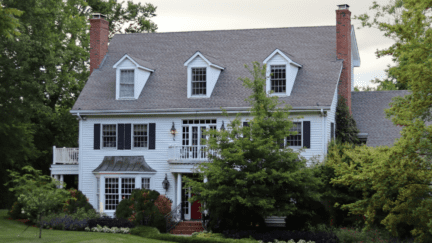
[65, 155]
[188, 152]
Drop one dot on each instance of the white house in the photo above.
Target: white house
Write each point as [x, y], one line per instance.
[143, 86]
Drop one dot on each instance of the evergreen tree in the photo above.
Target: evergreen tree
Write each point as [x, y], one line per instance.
[346, 128]
[252, 175]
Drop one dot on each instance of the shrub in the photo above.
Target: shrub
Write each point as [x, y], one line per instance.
[65, 222]
[16, 211]
[145, 207]
[144, 231]
[110, 222]
[242, 218]
[79, 201]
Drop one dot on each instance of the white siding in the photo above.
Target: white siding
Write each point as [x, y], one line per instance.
[89, 158]
[331, 117]
[126, 63]
[140, 81]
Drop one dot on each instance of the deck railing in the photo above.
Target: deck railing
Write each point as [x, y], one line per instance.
[65, 155]
[189, 152]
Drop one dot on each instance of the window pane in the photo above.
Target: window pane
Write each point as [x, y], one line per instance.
[128, 184]
[111, 193]
[278, 79]
[109, 136]
[126, 83]
[145, 183]
[140, 136]
[199, 81]
[295, 140]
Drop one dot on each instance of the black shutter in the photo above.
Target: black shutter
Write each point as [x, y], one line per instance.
[120, 137]
[96, 136]
[152, 136]
[245, 124]
[127, 136]
[306, 134]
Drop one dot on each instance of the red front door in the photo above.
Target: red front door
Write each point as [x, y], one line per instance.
[195, 213]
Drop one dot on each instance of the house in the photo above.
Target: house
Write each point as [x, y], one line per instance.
[149, 97]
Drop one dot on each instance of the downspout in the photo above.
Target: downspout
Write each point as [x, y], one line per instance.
[80, 118]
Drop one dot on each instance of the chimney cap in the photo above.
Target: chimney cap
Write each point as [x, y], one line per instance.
[98, 16]
[343, 6]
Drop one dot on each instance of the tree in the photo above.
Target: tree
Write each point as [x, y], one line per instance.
[38, 193]
[403, 169]
[8, 23]
[135, 18]
[346, 128]
[251, 172]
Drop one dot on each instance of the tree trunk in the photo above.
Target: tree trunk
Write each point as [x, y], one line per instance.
[40, 225]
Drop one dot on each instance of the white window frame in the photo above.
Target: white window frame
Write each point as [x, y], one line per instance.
[301, 138]
[119, 189]
[191, 82]
[102, 136]
[134, 82]
[132, 136]
[279, 93]
[150, 181]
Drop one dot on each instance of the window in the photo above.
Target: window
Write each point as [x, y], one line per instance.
[109, 136]
[199, 81]
[295, 140]
[145, 183]
[111, 193]
[127, 185]
[127, 83]
[278, 78]
[140, 136]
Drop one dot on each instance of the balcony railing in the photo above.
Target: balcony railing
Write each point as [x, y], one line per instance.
[188, 152]
[65, 155]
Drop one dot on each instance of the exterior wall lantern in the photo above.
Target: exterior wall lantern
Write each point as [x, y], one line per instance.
[165, 183]
[173, 131]
[222, 127]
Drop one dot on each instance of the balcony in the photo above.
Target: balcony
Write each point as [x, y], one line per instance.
[187, 154]
[65, 155]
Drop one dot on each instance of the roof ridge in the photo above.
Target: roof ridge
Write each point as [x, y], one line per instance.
[229, 30]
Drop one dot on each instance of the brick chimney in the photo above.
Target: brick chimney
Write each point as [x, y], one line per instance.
[343, 50]
[98, 40]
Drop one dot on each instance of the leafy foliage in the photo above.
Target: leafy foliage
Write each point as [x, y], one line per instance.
[78, 201]
[8, 22]
[251, 167]
[110, 222]
[37, 193]
[346, 128]
[145, 207]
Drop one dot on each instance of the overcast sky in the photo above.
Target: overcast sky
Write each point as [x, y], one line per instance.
[197, 15]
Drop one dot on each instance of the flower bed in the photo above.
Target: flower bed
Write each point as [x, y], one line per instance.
[105, 229]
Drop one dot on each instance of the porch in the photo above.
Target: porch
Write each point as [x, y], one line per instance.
[65, 166]
[188, 154]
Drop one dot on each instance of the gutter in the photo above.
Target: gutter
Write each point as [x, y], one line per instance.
[79, 117]
[184, 111]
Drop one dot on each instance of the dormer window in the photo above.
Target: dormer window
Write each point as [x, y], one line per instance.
[132, 75]
[127, 83]
[280, 74]
[278, 78]
[199, 81]
[202, 75]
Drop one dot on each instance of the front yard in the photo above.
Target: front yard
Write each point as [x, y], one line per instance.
[13, 231]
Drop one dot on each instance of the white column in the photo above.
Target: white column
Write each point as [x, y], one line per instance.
[61, 180]
[179, 187]
[101, 194]
[205, 181]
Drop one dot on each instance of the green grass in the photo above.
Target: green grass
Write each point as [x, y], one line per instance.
[10, 229]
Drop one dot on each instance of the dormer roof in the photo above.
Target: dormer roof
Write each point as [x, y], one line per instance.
[211, 61]
[285, 56]
[138, 62]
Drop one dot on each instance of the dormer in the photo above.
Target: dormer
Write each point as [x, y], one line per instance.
[202, 75]
[284, 72]
[131, 76]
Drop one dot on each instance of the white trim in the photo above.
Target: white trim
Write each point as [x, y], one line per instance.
[205, 59]
[133, 61]
[101, 138]
[277, 51]
[354, 47]
[132, 136]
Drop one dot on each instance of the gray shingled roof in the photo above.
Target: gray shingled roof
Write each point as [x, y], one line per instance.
[141, 62]
[313, 47]
[368, 111]
[124, 163]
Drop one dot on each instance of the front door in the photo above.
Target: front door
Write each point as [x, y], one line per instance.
[195, 210]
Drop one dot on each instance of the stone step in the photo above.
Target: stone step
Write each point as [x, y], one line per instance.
[187, 228]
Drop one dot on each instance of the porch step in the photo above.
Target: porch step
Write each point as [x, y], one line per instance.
[187, 228]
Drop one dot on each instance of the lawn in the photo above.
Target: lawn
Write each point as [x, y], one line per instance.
[13, 231]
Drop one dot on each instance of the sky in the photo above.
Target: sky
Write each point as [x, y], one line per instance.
[199, 15]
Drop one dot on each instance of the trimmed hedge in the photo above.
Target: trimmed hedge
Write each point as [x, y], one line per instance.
[110, 222]
[270, 235]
